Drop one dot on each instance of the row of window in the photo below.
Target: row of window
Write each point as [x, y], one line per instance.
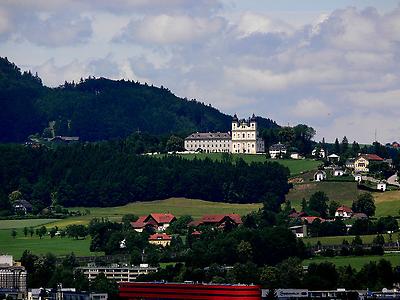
[243, 135]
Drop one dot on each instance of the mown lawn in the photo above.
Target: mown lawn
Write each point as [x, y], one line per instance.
[356, 262]
[176, 206]
[57, 245]
[338, 240]
[7, 224]
[341, 192]
[387, 203]
[295, 166]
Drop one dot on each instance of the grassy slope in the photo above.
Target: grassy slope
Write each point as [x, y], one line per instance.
[387, 203]
[355, 261]
[342, 192]
[7, 224]
[57, 245]
[337, 240]
[295, 166]
[176, 206]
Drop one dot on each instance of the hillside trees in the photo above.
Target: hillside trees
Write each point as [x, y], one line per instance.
[108, 174]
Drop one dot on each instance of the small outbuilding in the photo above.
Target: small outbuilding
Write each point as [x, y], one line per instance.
[320, 175]
[381, 186]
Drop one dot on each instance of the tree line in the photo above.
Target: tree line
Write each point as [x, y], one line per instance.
[109, 174]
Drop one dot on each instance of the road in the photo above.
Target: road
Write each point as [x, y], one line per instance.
[393, 180]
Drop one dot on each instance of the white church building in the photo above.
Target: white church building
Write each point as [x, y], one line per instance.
[244, 138]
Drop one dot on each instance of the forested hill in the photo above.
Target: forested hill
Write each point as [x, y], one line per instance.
[98, 109]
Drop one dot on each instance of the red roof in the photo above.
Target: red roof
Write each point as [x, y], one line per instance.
[162, 218]
[219, 218]
[140, 223]
[295, 215]
[344, 209]
[196, 232]
[373, 157]
[160, 236]
[311, 219]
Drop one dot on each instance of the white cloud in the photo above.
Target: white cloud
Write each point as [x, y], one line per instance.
[251, 23]
[311, 108]
[169, 29]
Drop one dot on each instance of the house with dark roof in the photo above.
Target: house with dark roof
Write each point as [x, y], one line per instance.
[154, 221]
[362, 162]
[218, 221]
[22, 207]
[277, 150]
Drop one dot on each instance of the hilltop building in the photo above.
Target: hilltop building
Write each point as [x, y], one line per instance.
[244, 138]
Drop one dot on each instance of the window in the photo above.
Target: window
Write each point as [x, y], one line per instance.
[244, 135]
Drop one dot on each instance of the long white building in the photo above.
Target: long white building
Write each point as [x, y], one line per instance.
[244, 138]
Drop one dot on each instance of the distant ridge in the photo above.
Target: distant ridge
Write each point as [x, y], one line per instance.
[98, 109]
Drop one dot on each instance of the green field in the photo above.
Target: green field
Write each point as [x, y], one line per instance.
[337, 240]
[176, 206]
[58, 246]
[295, 166]
[355, 261]
[387, 203]
[7, 224]
[341, 192]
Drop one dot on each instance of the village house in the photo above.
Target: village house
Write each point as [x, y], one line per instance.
[333, 158]
[311, 219]
[219, 221]
[319, 153]
[381, 186]
[344, 212]
[320, 175]
[358, 177]
[361, 164]
[299, 230]
[160, 239]
[22, 206]
[350, 163]
[154, 221]
[277, 150]
[338, 172]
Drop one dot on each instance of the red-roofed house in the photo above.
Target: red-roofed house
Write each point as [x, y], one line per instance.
[161, 239]
[364, 160]
[158, 222]
[296, 215]
[344, 212]
[218, 220]
[311, 219]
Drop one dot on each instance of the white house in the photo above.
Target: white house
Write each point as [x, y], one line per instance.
[338, 172]
[295, 155]
[344, 212]
[320, 175]
[277, 150]
[333, 158]
[381, 186]
[358, 177]
[318, 152]
[300, 230]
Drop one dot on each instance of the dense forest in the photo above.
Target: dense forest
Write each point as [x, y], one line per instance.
[109, 173]
[98, 109]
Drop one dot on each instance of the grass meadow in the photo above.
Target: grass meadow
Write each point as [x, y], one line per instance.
[296, 167]
[57, 245]
[356, 262]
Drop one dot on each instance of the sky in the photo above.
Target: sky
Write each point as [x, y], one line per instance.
[334, 65]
